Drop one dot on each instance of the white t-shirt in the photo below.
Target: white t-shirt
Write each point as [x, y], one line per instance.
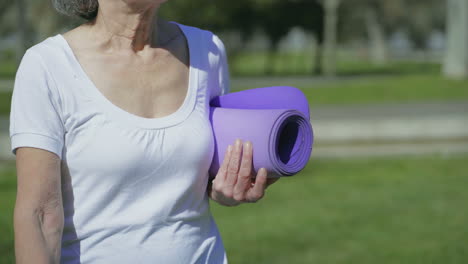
[134, 188]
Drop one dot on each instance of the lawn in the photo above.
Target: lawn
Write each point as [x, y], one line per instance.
[406, 210]
[399, 210]
[388, 89]
[391, 89]
[302, 63]
[398, 81]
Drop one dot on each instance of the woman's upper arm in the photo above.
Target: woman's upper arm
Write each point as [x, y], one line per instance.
[37, 134]
[36, 116]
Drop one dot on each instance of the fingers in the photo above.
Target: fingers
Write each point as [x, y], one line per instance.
[222, 172]
[233, 168]
[258, 190]
[244, 178]
[234, 183]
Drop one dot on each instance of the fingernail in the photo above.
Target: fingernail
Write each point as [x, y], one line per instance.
[229, 148]
[247, 144]
[238, 142]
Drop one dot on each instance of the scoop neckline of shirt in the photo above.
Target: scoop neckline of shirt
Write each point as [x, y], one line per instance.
[121, 115]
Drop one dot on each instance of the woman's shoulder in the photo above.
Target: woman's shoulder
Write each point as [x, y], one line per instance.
[36, 57]
[47, 63]
[45, 48]
[43, 56]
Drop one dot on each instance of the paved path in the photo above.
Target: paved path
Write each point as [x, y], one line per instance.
[384, 122]
[390, 149]
[390, 129]
[369, 130]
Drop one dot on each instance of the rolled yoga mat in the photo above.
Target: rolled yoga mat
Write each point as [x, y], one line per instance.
[275, 119]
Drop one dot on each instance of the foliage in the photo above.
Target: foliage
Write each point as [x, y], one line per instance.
[275, 18]
[417, 17]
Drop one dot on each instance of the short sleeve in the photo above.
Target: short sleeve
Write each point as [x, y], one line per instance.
[35, 119]
[223, 67]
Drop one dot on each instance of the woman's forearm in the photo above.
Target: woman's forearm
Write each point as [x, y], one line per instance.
[38, 234]
[38, 218]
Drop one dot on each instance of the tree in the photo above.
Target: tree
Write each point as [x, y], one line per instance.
[330, 36]
[456, 59]
[376, 34]
[276, 18]
[373, 20]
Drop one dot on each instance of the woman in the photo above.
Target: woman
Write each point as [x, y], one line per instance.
[109, 124]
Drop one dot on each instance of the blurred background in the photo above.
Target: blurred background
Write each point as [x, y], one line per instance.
[387, 83]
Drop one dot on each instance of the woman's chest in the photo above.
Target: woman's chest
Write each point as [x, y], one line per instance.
[150, 91]
[105, 147]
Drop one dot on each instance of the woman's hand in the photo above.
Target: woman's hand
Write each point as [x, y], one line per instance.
[234, 184]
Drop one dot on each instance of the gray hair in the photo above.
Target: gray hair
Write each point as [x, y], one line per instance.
[86, 9]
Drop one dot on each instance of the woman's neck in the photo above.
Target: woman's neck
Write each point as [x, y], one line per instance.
[126, 28]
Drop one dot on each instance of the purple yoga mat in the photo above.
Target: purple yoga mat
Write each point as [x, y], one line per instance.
[275, 119]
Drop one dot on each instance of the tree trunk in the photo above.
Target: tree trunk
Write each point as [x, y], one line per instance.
[330, 32]
[376, 35]
[456, 58]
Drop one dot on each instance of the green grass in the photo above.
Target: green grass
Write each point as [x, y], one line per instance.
[391, 89]
[253, 64]
[399, 210]
[302, 63]
[396, 89]
[396, 82]
[407, 210]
